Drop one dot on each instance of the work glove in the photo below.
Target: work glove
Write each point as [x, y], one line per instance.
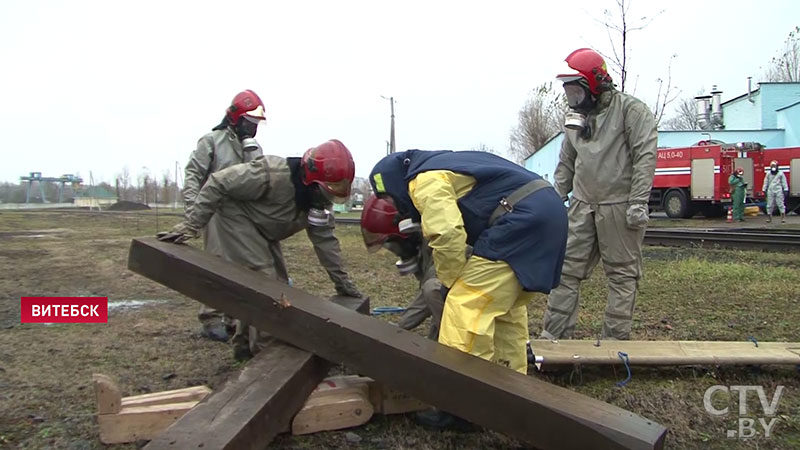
[348, 289]
[179, 234]
[637, 215]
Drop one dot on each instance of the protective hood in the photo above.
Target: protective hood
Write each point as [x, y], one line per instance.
[390, 177]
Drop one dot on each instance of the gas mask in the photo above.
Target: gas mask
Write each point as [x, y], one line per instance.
[774, 170]
[580, 101]
[407, 249]
[318, 214]
[246, 131]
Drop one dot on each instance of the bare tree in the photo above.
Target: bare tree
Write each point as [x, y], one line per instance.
[618, 25]
[481, 147]
[540, 118]
[667, 93]
[685, 117]
[167, 188]
[786, 66]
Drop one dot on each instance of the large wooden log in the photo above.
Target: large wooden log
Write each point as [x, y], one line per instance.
[256, 405]
[544, 415]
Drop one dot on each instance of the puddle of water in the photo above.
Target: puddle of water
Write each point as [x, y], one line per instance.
[124, 305]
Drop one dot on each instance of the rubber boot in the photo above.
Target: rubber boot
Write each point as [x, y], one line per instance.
[439, 420]
[783, 218]
[216, 330]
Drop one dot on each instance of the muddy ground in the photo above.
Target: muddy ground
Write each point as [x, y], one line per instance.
[151, 342]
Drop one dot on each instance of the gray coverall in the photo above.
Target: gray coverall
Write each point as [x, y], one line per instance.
[429, 301]
[774, 185]
[253, 206]
[610, 174]
[215, 151]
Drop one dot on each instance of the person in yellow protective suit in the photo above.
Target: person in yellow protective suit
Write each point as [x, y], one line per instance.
[229, 143]
[517, 226]
[607, 162]
[260, 203]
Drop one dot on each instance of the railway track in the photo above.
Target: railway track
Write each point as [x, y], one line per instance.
[737, 238]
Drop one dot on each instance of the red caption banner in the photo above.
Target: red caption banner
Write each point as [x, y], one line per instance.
[64, 310]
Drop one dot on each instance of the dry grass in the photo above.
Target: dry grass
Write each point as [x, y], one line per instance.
[45, 395]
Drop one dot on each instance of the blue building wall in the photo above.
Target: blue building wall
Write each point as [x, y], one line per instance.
[767, 138]
[789, 120]
[776, 96]
[742, 114]
[545, 160]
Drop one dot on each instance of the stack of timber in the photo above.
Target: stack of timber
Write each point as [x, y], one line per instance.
[522, 407]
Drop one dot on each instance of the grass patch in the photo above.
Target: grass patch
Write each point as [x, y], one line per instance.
[46, 400]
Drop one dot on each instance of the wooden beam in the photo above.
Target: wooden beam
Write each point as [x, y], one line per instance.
[664, 353]
[252, 408]
[544, 415]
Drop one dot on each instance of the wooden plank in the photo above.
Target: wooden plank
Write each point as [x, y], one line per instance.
[252, 408]
[487, 394]
[135, 423]
[190, 394]
[660, 353]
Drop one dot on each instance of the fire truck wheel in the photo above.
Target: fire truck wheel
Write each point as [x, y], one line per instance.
[676, 205]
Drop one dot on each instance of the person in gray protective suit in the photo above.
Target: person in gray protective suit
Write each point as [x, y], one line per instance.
[775, 185]
[607, 162]
[260, 203]
[231, 142]
[379, 230]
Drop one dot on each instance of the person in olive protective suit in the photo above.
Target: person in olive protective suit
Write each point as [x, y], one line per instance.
[774, 186]
[231, 142]
[380, 230]
[260, 203]
[607, 162]
[738, 193]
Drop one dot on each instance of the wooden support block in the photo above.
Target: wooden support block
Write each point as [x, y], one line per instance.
[258, 403]
[138, 417]
[106, 393]
[334, 409]
[526, 408]
[143, 422]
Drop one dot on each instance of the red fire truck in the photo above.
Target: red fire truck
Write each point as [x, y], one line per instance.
[690, 180]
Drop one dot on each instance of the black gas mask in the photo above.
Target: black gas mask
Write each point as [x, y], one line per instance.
[580, 101]
[773, 170]
[246, 130]
[407, 249]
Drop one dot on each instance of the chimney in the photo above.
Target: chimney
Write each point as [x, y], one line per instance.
[716, 108]
[703, 107]
[749, 97]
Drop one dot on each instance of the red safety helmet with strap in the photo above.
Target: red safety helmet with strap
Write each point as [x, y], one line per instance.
[248, 105]
[330, 165]
[379, 222]
[588, 65]
[773, 163]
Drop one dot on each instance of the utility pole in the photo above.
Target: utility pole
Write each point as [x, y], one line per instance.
[177, 192]
[392, 147]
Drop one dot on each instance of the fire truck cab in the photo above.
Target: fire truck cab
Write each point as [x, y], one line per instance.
[694, 179]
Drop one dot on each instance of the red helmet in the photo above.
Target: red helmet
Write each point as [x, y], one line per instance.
[589, 66]
[773, 163]
[378, 222]
[331, 166]
[246, 104]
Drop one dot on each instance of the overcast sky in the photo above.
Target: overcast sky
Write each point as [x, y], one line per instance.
[96, 86]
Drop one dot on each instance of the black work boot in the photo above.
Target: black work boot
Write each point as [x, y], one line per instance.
[440, 420]
[241, 348]
[216, 331]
